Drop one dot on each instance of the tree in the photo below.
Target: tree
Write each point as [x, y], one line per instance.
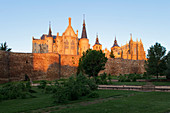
[92, 62]
[156, 64]
[168, 66]
[111, 54]
[4, 47]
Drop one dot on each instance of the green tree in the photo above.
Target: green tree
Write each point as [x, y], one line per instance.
[92, 62]
[4, 47]
[168, 66]
[156, 64]
[111, 54]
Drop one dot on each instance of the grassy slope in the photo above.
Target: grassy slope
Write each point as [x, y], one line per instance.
[45, 100]
[18, 105]
[142, 102]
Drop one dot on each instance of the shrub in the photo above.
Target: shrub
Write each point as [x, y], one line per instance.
[60, 96]
[121, 78]
[127, 78]
[103, 78]
[73, 89]
[13, 91]
[43, 84]
[92, 85]
[146, 76]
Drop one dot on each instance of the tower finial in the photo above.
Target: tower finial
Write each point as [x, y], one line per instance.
[140, 40]
[49, 24]
[130, 36]
[97, 39]
[69, 21]
[50, 32]
[84, 34]
[84, 20]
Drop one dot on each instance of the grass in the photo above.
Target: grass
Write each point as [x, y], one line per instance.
[43, 101]
[109, 101]
[141, 102]
[20, 105]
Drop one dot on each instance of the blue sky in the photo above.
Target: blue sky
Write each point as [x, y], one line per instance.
[145, 19]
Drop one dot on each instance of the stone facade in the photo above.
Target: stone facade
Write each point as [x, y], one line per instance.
[51, 66]
[67, 44]
[132, 50]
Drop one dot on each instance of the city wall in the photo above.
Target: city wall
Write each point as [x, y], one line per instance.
[51, 66]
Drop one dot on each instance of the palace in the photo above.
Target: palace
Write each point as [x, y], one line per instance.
[69, 44]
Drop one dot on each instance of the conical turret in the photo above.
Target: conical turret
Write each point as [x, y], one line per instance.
[115, 43]
[84, 34]
[97, 40]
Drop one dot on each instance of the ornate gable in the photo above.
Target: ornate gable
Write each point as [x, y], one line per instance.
[69, 31]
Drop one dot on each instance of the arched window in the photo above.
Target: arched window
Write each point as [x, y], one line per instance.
[72, 42]
[135, 50]
[66, 44]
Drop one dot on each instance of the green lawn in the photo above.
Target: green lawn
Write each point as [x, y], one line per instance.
[45, 100]
[141, 102]
[110, 101]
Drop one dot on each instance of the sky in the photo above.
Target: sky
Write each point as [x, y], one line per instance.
[20, 20]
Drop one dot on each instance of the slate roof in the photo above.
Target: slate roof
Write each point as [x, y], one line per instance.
[84, 34]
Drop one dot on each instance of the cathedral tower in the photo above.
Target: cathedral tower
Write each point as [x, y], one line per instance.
[97, 46]
[49, 40]
[84, 41]
[116, 49]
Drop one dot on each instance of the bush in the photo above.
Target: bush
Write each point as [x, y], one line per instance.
[121, 78]
[146, 76]
[73, 89]
[60, 96]
[92, 85]
[43, 84]
[103, 78]
[127, 78]
[14, 91]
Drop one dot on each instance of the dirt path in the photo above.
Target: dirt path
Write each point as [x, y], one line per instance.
[84, 103]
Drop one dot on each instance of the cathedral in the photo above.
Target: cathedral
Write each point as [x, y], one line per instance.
[69, 44]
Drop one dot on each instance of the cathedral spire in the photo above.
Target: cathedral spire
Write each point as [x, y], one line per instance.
[84, 35]
[97, 39]
[115, 43]
[130, 36]
[50, 32]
